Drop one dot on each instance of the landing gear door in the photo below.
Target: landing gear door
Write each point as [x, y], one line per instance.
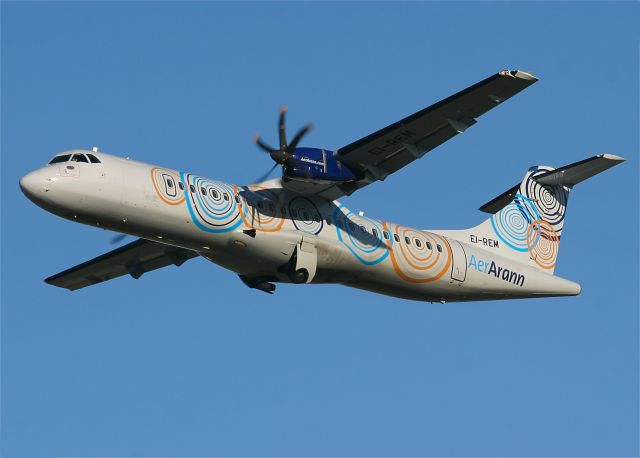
[307, 257]
[459, 263]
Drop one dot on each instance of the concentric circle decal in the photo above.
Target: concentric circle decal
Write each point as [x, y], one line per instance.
[510, 224]
[305, 215]
[365, 245]
[551, 201]
[543, 243]
[261, 208]
[212, 204]
[423, 261]
[165, 182]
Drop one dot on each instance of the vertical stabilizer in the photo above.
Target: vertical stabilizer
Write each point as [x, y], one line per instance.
[527, 220]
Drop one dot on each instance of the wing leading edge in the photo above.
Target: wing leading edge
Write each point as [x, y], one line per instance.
[134, 259]
[386, 151]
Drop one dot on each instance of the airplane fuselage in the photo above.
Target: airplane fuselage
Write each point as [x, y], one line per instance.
[265, 233]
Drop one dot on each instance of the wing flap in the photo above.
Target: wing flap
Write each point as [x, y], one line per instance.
[135, 259]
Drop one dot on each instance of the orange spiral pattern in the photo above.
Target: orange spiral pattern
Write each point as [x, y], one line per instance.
[543, 243]
[418, 264]
[169, 195]
[265, 220]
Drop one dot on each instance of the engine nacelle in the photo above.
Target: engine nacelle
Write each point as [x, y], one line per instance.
[318, 164]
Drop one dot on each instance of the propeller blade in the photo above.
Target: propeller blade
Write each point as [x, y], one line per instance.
[258, 141]
[266, 175]
[282, 134]
[117, 239]
[301, 133]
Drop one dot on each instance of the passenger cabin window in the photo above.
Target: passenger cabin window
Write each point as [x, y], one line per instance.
[363, 229]
[58, 159]
[439, 248]
[170, 182]
[93, 159]
[180, 185]
[79, 158]
[214, 194]
[396, 237]
[407, 240]
[418, 243]
[386, 235]
[192, 188]
[375, 232]
[429, 245]
[226, 196]
[203, 191]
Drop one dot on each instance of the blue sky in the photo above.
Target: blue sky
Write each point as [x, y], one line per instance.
[189, 362]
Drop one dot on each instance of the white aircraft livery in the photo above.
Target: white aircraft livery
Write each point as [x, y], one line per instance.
[292, 229]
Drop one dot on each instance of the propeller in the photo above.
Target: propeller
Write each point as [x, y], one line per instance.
[266, 175]
[284, 154]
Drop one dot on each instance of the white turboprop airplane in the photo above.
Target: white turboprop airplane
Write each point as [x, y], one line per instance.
[293, 230]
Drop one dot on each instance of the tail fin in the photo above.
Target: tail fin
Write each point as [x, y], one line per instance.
[527, 220]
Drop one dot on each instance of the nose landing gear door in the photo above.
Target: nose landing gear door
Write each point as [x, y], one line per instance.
[305, 260]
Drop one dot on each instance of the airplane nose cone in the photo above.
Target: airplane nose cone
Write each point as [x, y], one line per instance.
[29, 184]
[35, 186]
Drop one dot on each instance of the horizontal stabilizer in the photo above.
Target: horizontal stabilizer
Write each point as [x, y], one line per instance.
[568, 176]
[498, 203]
[572, 174]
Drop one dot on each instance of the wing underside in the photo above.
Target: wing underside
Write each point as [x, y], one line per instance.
[386, 151]
[133, 259]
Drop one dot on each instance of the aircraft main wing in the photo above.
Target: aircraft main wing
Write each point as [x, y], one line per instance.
[134, 259]
[386, 151]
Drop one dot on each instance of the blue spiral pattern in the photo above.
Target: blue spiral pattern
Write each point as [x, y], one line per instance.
[511, 223]
[211, 211]
[365, 247]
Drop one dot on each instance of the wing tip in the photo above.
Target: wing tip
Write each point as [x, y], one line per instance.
[519, 74]
[613, 157]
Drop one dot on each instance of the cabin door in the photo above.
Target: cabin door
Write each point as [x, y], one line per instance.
[459, 263]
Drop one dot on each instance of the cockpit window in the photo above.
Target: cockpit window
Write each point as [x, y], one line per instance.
[79, 158]
[61, 158]
[93, 159]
